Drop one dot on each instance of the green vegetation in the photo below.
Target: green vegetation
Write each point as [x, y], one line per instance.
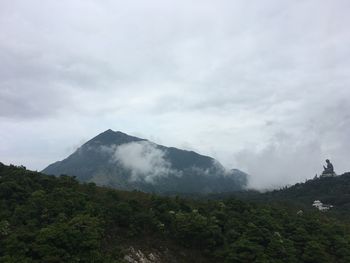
[334, 191]
[330, 190]
[56, 219]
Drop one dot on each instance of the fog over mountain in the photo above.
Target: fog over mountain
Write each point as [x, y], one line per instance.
[125, 162]
[143, 159]
[258, 85]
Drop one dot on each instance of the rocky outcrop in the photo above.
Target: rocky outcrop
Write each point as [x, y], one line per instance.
[137, 256]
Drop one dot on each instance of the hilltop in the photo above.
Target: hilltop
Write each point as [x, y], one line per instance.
[329, 190]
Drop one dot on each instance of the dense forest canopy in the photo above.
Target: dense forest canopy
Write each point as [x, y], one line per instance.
[56, 219]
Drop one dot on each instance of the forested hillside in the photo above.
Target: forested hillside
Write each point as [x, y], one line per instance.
[56, 219]
[330, 190]
[333, 191]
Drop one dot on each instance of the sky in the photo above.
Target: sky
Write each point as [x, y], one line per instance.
[262, 86]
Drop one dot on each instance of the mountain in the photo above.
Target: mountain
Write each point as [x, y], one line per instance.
[125, 162]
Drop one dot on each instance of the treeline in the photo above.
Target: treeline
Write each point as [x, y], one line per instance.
[56, 219]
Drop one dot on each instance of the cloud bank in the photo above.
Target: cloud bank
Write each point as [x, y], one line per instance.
[143, 159]
[284, 161]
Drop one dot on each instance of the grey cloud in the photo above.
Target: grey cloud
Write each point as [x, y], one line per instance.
[210, 73]
[26, 101]
[298, 151]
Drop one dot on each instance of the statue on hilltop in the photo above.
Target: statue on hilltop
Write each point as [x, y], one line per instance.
[329, 169]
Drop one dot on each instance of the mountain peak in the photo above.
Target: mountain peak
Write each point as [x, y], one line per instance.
[108, 131]
[110, 137]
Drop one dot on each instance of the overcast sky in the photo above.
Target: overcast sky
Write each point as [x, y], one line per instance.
[263, 86]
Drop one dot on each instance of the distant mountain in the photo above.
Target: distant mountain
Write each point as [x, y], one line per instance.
[125, 162]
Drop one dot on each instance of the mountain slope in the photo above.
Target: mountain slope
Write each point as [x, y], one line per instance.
[125, 162]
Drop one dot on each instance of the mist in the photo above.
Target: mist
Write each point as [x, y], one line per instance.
[143, 159]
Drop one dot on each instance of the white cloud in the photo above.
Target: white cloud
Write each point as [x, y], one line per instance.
[285, 160]
[144, 160]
